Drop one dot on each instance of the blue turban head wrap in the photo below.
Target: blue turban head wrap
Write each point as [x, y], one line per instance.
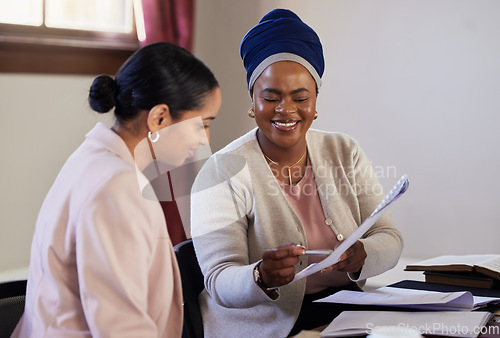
[281, 36]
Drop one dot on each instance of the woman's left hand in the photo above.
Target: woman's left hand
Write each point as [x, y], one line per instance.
[351, 261]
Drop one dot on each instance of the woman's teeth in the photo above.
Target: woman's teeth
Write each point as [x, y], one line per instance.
[285, 124]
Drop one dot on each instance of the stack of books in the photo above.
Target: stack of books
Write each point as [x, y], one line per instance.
[479, 271]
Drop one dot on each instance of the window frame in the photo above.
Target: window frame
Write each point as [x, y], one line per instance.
[41, 49]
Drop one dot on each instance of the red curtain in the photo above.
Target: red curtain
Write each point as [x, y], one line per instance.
[169, 20]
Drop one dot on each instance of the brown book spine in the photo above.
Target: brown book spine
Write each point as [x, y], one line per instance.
[467, 281]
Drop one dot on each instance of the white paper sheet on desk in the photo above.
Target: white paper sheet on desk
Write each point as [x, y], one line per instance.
[451, 324]
[411, 298]
[400, 187]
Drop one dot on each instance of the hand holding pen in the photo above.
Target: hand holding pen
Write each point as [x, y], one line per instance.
[278, 264]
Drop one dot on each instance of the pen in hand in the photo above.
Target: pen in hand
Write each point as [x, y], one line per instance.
[318, 252]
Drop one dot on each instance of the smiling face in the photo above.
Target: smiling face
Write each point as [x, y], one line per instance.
[284, 102]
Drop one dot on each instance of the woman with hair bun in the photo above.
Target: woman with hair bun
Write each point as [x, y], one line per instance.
[102, 263]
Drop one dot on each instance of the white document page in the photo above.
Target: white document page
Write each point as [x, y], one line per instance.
[400, 187]
[492, 264]
[457, 260]
[451, 324]
[411, 298]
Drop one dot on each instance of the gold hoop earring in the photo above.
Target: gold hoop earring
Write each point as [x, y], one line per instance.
[251, 113]
[315, 115]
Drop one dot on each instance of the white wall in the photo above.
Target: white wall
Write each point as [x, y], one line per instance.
[44, 118]
[417, 83]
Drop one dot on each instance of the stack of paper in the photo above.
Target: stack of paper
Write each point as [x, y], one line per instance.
[450, 324]
[411, 298]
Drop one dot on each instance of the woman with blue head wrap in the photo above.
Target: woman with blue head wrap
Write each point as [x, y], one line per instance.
[262, 200]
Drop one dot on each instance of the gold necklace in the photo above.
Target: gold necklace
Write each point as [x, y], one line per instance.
[290, 166]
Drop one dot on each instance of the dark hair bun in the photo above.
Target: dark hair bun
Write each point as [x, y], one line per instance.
[158, 73]
[102, 96]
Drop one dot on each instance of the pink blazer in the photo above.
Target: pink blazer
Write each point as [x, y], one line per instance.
[102, 263]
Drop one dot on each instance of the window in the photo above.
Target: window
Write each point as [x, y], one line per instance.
[66, 36]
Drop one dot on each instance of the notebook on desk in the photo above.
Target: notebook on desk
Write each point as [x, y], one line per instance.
[418, 285]
[482, 271]
[462, 278]
[449, 324]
